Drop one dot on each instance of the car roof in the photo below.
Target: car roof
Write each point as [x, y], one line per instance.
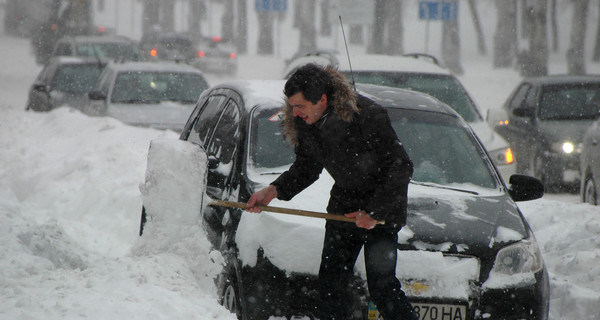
[563, 78]
[270, 92]
[60, 60]
[98, 39]
[152, 66]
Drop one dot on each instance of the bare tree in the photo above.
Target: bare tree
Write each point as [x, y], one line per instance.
[265, 35]
[325, 23]
[151, 15]
[196, 14]
[451, 43]
[575, 54]
[477, 23]
[505, 38]
[167, 17]
[227, 21]
[306, 24]
[596, 55]
[534, 62]
[553, 26]
[241, 36]
[378, 28]
[395, 28]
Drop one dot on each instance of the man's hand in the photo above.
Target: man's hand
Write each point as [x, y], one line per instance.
[261, 198]
[363, 220]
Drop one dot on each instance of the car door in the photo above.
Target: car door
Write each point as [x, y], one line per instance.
[521, 115]
[39, 95]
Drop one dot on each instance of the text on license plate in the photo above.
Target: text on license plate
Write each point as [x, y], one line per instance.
[429, 311]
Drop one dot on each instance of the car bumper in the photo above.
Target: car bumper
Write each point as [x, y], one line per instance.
[562, 168]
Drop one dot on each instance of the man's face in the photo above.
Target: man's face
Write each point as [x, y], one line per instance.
[305, 109]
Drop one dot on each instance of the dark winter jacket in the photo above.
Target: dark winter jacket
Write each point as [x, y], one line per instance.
[355, 143]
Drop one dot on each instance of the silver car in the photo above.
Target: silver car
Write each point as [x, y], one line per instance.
[152, 94]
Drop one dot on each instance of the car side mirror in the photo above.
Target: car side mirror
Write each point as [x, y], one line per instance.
[496, 117]
[97, 95]
[525, 188]
[524, 112]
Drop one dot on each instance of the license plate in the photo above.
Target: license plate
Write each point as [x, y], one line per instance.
[429, 311]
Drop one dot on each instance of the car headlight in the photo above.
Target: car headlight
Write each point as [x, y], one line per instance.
[567, 147]
[502, 157]
[520, 257]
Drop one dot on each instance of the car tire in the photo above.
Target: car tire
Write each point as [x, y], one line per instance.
[590, 191]
[230, 296]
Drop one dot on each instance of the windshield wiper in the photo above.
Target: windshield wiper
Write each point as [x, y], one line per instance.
[270, 173]
[433, 185]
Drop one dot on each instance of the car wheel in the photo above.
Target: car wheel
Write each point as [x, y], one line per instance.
[230, 297]
[590, 192]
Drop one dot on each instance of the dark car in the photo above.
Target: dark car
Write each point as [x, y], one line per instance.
[216, 56]
[102, 46]
[467, 252]
[590, 163]
[64, 81]
[173, 46]
[547, 117]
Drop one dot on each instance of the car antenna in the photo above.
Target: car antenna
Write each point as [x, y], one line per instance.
[348, 54]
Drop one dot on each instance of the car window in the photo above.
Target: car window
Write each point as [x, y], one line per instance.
[443, 87]
[154, 87]
[269, 150]
[76, 78]
[442, 150]
[519, 97]
[207, 119]
[111, 50]
[223, 143]
[580, 101]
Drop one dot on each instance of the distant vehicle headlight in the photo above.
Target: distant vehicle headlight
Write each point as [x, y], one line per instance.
[567, 147]
[521, 257]
[502, 157]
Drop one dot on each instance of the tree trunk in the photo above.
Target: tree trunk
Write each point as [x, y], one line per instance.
[196, 14]
[378, 28]
[505, 38]
[227, 21]
[325, 23]
[534, 62]
[308, 32]
[167, 19]
[477, 23]
[241, 36]
[356, 34]
[553, 26]
[151, 15]
[395, 28]
[596, 55]
[451, 45]
[575, 54]
[265, 35]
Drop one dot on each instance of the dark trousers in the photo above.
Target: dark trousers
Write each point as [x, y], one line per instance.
[340, 251]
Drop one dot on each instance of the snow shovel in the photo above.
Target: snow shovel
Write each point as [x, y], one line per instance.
[295, 212]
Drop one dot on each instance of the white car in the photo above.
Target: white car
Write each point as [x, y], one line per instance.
[418, 72]
[152, 94]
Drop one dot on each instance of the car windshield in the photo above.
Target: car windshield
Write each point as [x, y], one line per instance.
[110, 50]
[564, 102]
[177, 44]
[77, 78]
[443, 87]
[442, 150]
[154, 87]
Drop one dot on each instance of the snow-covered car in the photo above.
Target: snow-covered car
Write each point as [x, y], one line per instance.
[161, 95]
[547, 117]
[64, 81]
[101, 46]
[466, 252]
[590, 163]
[423, 73]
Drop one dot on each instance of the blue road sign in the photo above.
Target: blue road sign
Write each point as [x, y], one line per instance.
[436, 10]
[271, 5]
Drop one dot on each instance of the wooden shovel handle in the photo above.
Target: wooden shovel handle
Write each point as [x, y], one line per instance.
[295, 212]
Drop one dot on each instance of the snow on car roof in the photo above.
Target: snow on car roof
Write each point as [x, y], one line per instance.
[258, 92]
[379, 62]
[165, 66]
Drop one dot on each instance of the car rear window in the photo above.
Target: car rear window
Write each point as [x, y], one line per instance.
[77, 78]
[564, 102]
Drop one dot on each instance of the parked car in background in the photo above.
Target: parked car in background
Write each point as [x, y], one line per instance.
[64, 81]
[547, 117]
[173, 46]
[215, 56]
[590, 163]
[153, 94]
[103, 46]
[466, 253]
[423, 73]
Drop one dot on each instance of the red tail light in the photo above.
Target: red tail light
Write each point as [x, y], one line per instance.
[153, 52]
[200, 54]
[232, 56]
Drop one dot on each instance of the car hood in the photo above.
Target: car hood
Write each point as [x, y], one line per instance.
[490, 139]
[164, 115]
[439, 220]
[564, 130]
